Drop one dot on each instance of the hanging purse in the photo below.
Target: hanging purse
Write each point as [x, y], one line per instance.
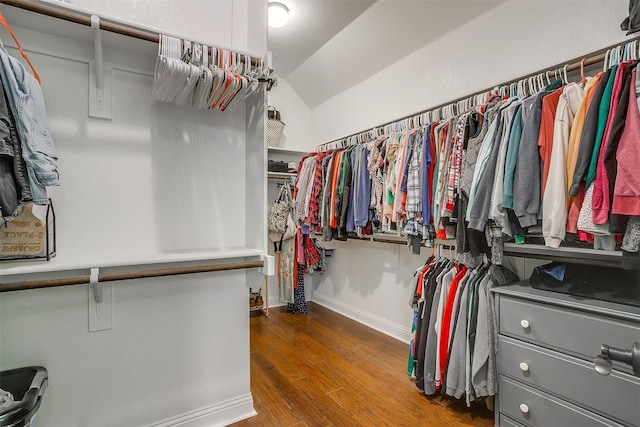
[278, 211]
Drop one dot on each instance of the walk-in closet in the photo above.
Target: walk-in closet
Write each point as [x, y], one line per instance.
[319, 213]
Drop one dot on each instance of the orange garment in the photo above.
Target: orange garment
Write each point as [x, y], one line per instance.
[545, 137]
[5, 24]
[576, 129]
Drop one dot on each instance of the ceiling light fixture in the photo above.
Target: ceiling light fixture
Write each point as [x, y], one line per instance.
[278, 14]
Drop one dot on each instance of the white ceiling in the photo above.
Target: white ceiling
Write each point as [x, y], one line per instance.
[329, 46]
[311, 24]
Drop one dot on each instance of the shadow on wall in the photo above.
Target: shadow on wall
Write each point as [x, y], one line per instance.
[365, 267]
[198, 161]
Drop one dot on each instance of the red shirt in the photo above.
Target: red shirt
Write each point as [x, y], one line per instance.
[446, 320]
[545, 137]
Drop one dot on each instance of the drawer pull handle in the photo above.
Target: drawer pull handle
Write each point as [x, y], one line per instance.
[525, 324]
[602, 362]
[524, 366]
[524, 408]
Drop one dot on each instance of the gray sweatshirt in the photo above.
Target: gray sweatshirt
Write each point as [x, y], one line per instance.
[480, 207]
[484, 365]
[527, 174]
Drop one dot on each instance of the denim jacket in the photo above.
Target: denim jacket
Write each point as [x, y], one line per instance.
[14, 179]
[27, 104]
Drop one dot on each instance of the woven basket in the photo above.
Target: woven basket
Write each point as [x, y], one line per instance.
[274, 127]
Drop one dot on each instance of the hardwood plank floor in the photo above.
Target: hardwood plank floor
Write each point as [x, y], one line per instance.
[323, 369]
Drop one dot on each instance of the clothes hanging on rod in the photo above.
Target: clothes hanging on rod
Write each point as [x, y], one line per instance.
[190, 73]
[465, 103]
[28, 159]
[297, 255]
[453, 348]
[499, 170]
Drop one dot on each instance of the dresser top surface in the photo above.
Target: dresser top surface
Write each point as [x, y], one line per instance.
[523, 290]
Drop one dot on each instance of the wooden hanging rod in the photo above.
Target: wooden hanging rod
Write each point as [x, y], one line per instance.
[85, 19]
[572, 65]
[79, 280]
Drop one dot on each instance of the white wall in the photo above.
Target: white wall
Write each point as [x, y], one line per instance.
[374, 282]
[232, 24]
[513, 39]
[154, 179]
[295, 114]
[177, 346]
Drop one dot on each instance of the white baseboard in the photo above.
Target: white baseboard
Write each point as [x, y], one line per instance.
[221, 414]
[391, 329]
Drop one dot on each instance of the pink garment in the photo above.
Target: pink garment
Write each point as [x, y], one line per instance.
[574, 211]
[601, 194]
[299, 248]
[626, 193]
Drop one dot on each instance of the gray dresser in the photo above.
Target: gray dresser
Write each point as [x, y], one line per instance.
[546, 345]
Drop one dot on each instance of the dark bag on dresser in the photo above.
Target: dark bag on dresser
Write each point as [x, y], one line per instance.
[603, 283]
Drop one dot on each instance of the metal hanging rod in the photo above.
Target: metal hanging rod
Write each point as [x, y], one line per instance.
[85, 279]
[572, 65]
[85, 19]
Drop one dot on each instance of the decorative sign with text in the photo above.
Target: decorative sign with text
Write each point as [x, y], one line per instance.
[26, 235]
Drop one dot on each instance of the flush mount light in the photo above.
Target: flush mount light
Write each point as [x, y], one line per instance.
[278, 14]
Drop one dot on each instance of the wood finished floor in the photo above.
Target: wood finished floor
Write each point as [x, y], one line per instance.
[323, 369]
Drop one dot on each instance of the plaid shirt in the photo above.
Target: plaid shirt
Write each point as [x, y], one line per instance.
[316, 191]
[455, 166]
[412, 228]
[311, 255]
[414, 195]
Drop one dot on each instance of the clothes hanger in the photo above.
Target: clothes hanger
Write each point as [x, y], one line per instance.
[614, 59]
[626, 52]
[583, 79]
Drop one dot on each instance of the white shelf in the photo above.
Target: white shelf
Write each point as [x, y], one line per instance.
[277, 150]
[565, 254]
[61, 263]
[529, 250]
[280, 175]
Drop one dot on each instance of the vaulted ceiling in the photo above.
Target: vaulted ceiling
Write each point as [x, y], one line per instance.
[329, 46]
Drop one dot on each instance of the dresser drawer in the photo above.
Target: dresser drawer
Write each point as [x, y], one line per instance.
[617, 395]
[534, 408]
[568, 331]
[508, 422]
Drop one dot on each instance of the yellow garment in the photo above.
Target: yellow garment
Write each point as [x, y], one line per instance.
[576, 129]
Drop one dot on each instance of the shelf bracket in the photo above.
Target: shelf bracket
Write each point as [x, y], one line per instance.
[95, 284]
[100, 302]
[99, 81]
[97, 42]
[269, 266]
